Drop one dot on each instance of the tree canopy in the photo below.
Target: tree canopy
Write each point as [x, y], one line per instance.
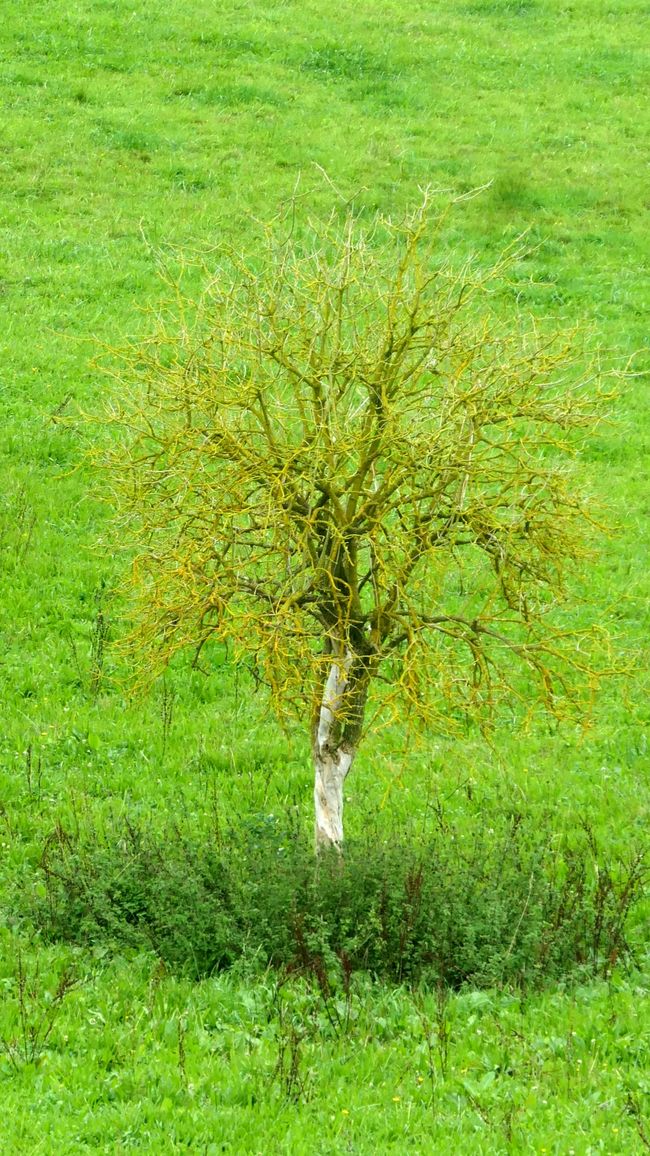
[346, 461]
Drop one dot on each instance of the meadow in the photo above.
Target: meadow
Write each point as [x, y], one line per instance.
[131, 135]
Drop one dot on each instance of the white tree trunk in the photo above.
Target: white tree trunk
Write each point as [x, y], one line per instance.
[330, 777]
[332, 759]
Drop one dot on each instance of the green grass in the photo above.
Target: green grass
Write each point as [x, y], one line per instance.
[128, 128]
[139, 1060]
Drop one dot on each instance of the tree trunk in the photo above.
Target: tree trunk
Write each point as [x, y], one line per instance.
[330, 775]
[335, 739]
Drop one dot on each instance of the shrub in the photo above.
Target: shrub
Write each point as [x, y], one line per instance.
[505, 905]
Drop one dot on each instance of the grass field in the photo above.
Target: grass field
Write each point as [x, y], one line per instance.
[129, 130]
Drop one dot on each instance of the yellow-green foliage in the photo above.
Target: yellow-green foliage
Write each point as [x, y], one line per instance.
[343, 450]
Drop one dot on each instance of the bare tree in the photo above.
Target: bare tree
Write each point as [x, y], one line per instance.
[343, 461]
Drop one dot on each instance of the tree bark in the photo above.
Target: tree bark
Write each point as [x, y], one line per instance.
[335, 738]
[330, 774]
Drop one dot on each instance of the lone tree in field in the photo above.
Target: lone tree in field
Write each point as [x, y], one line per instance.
[346, 465]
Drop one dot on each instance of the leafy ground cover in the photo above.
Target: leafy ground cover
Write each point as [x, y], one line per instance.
[507, 906]
[140, 1060]
[129, 130]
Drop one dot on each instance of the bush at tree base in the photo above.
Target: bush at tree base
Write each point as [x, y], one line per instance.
[506, 904]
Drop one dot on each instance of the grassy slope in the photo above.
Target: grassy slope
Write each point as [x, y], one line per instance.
[128, 128]
[563, 1075]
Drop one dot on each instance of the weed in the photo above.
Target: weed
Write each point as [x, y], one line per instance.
[33, 773]
[437, 1036]
[502, 7]
[182, 1057]
[98, 640]
[341, 63]
[511, 191]
[37, 1010]
[17, 525]
[634, 1109]
[511, 905]
[167, 701]
[289, 1067]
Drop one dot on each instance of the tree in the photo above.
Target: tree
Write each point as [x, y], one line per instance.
[343, 462]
